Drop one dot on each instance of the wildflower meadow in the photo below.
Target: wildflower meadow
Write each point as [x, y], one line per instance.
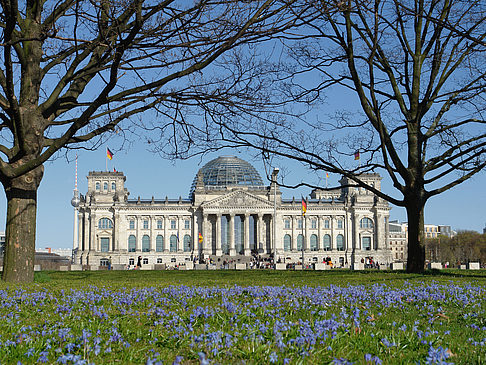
[371, 319]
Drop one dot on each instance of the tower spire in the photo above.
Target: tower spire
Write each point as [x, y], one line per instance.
[76, 175]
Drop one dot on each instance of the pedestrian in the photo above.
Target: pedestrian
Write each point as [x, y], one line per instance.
[109, 263]
[139, 263]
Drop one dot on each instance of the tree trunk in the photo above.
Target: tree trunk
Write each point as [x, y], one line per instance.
[416, 240]
[18, 260]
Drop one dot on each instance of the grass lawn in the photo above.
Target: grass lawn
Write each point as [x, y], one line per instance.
[245, 317]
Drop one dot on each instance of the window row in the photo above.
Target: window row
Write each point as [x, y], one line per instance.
[327, 244]
[174, 243]
[364, 223]
[313, 242]
[313, 223]
[159, 224]
[105, 186]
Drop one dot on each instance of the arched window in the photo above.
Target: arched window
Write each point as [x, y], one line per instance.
[105, 223]
[365, 223]
[105, 186]
[173, 243]
[159, 243]
[145, 243]
[313, 242]
[300, 242]
[132, 243]
[113, 186]
[187, 243]
[98, 185]
[326, 242]
[340, 242]
[287, 242]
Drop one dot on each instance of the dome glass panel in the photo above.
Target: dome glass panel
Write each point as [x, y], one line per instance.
[226, 171]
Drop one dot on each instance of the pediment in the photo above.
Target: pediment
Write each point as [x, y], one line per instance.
[238, 199]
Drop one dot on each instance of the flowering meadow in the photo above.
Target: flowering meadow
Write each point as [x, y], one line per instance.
[409, 322]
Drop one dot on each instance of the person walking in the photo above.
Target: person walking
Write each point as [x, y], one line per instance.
[139, 263]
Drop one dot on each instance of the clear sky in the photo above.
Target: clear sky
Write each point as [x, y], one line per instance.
[148, 174]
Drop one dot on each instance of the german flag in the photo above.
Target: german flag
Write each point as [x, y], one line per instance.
[109, 154]
[200, 237]
[356, 155]
[304, 206]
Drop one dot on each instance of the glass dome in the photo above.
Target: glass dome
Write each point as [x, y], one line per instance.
[227, 171]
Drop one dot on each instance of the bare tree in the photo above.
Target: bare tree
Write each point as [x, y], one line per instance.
[73, 70]
[417, 71]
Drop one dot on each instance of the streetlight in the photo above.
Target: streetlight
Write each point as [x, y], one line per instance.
[274, 182]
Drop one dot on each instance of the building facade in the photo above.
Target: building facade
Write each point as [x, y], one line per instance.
[230, 215]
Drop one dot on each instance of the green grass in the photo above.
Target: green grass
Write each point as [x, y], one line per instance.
[135, 278]
[250, 317]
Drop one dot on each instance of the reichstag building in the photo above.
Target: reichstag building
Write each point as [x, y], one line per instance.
[230, 215]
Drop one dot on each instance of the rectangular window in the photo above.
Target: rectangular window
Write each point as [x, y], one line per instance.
[131, 224]
[326, 223]
[173, 224]
[145, 224]
[131, 262]
[313, 224]
[187, 224]
[159, 224]
[300, 223]
[105, 244]
[366, 241]
[145, 261]
[287, 223]
[340, 224]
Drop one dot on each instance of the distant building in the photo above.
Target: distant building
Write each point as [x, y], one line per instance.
[398, 238]
[63, 252]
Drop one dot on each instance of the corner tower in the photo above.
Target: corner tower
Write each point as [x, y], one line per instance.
[106, 187]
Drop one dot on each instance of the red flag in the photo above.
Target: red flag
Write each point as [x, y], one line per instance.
[114, 170]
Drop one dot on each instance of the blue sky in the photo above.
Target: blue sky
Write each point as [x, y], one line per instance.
[148, 174]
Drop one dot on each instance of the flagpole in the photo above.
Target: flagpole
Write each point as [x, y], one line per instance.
[303, 241]
[106, 160]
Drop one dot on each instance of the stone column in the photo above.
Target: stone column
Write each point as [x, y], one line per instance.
[259, 231]
[180, 240]
[82, 231]
[116, 233]
[195, 234]
[294, 234]
[92, 229]
[166, 234]
[219, 250]
[320, 227]
[246, 243]
[306, 223]
[206, 244]
[232, 250]
[152, 222]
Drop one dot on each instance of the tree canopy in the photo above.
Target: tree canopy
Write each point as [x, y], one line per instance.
[73, 70]
[417, 72]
